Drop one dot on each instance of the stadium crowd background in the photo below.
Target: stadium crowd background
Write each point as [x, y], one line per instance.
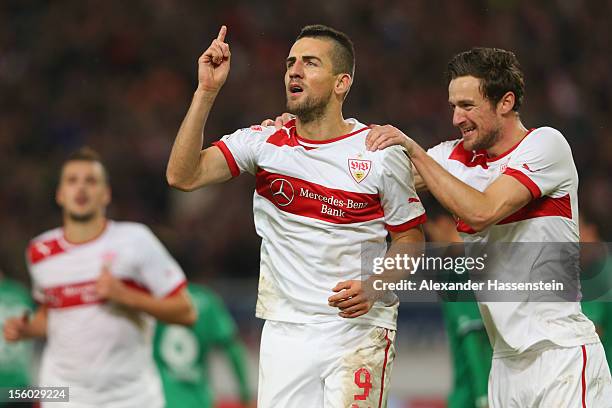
[118, 76]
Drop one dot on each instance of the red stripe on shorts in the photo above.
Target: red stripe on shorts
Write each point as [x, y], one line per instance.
[382, 381]
[584, 362]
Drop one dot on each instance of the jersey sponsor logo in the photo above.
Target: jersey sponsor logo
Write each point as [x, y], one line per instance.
[413, 200]
[282, 192]
[359, 169]
[304, 198]
[83, 293]
[257, 128]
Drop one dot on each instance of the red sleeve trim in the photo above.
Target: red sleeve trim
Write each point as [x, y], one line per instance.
[229, 158]
[524, 180]
[415, 222]
[177, 289]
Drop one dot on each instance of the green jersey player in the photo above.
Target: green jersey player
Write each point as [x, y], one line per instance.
[469, 345]
[470, 352]
[15, 358]
[182, 352]
[596, 282]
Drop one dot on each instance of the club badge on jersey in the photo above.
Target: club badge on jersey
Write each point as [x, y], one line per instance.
[359, 168]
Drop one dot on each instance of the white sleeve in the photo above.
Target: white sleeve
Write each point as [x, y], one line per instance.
[37, 292]
[401, 205]
[441, 152]
[543, 162]
[241, 149]
[158, 271]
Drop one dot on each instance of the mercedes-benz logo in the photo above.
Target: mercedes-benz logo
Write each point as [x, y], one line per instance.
[282, 192]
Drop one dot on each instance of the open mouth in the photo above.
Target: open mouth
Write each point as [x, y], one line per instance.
[81, 200]
[467, 132]
[295, 89]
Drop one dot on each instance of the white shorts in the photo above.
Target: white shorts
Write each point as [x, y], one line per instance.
[331, 365]
[573, 377]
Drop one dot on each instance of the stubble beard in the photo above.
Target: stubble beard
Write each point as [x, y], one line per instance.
[311, 109]
[487, 140]
[81, 218]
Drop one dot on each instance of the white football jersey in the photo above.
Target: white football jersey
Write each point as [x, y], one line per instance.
[101, 350]
[315, 204]
[543, 163]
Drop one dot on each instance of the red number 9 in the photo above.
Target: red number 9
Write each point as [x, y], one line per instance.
[364, 381]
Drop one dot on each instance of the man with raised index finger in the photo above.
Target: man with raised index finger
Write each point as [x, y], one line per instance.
[319, 197]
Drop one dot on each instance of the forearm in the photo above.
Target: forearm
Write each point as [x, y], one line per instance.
[176, 309]
[183, 165]
[37, 324]
[237, 356]
[463, 201]
[405, 247]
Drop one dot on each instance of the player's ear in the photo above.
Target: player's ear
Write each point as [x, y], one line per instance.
[108, 195]
[343, 84]
[59, 199]
[506, 103]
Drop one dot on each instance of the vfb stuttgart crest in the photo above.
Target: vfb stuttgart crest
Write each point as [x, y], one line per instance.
[359, 169]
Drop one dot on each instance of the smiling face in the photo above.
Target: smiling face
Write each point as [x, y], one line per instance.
[310, 78]
[83, 192]
[474, 115]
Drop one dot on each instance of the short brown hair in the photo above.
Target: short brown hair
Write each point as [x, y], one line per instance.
[343, 56]
[499, 72]
[87, 154]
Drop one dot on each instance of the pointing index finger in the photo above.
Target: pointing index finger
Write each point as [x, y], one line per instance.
[222, 32]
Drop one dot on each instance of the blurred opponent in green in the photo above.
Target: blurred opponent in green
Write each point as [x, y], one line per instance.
[596, 262]
[469, 344]
[470, 352]
[15, 358]
[182, 353]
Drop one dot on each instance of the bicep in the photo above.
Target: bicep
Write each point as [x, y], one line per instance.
[506, 196]
[213, 168]
[413, 235]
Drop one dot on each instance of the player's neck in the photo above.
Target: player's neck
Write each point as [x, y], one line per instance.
[329, 126]
[510, 136]
[80, 232]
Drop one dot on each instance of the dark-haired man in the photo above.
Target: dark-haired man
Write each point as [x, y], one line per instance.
[505, 183]
[319, 196]
[100, 284]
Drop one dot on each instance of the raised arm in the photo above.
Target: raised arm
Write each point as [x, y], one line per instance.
[190, 167]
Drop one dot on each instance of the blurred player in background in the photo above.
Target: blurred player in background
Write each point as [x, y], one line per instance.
[15, 358]
[319, 197]
[100, 284]
[182, 353]
[469, 345]
[597, 282]
[505, 183]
